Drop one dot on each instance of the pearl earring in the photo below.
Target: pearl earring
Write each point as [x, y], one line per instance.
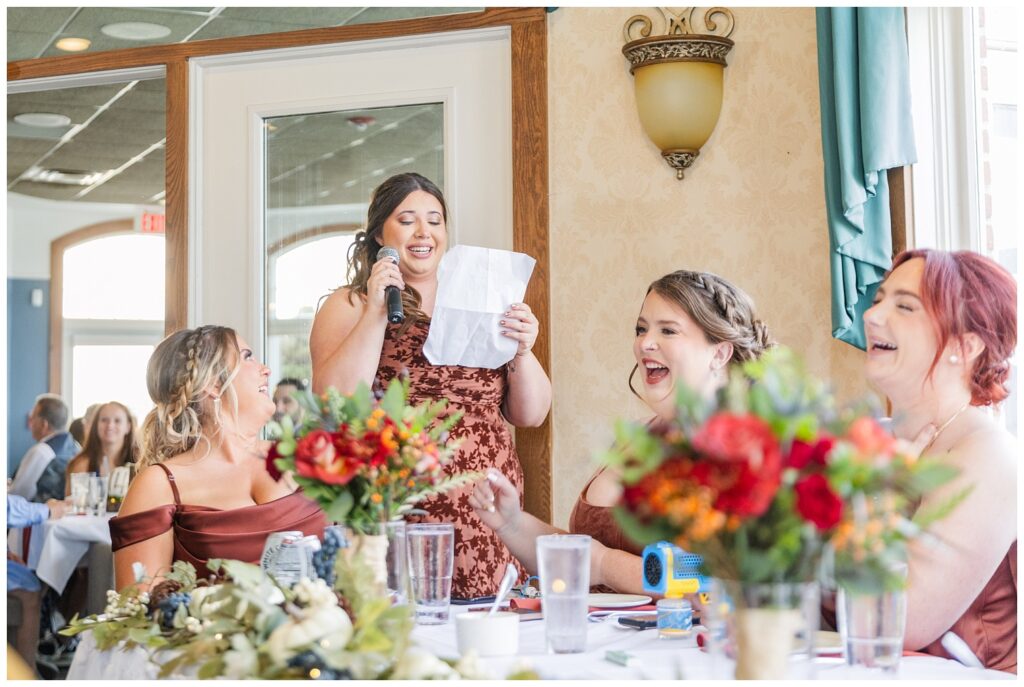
[954, 359]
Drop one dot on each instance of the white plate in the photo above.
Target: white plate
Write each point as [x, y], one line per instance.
[617, 600]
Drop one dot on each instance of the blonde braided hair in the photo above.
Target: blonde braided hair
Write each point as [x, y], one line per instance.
[181, 372]
[723, 311]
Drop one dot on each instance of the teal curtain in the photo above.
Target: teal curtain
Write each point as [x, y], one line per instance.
[866, 128]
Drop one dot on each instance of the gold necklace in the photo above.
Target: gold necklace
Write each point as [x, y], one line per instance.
[945, 424]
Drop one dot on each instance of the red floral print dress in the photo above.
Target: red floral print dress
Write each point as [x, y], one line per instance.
[480, 556]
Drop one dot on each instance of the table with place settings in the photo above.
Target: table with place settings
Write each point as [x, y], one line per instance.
[652, 658]
[57, 546]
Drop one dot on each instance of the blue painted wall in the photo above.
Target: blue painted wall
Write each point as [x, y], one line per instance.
[28, 343]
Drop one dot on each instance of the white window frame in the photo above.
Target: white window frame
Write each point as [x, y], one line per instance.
[943, 76]
[80, 332]
[946, 188]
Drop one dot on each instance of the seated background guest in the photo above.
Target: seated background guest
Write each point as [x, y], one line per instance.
[691, 327]
[112, 435]
[940, 336]
[285, 402]
[203, 491]
[77, 430]
[352, 341]
[40, 475]
[22, 583]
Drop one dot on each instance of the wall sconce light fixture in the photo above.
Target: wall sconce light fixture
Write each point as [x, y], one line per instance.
[678, 80]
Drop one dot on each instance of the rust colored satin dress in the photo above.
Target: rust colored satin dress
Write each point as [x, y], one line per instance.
[989, 625]
[598, 522]
[480, 556]
[202, 532]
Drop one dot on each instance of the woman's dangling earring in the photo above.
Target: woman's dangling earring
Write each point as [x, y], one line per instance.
[954, 359]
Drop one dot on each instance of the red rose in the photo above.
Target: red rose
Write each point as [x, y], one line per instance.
[273, 455]
[817, 503]
[736, 439]
[317, 458]
[740, 490]
[740, 460]
[802, 454]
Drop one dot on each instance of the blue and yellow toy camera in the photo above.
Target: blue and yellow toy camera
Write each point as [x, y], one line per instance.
[672, 572]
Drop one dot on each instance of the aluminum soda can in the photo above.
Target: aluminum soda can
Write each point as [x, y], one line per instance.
[273, 546]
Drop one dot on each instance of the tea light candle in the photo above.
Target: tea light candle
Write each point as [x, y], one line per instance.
[675, 618]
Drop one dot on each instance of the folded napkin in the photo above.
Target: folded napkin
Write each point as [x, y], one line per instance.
[534, 605]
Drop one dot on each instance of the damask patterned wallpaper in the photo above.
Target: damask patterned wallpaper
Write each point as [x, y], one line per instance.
[750, 209]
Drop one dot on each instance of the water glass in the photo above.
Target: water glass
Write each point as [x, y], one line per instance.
[431, 550]
[80, 491]
[398, 586]
[97, 495]
[872, 626]
[564, 563]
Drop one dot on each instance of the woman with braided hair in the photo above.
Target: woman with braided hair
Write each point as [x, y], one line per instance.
[691, 327]
[202, 490]
[940, 336]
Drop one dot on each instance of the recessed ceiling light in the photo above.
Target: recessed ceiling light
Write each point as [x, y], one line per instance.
[136, 31]
[73, 44]
[42, 119]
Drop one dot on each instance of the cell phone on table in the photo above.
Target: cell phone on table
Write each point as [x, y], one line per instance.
[473, 600]
[640, 622]
[527, 614]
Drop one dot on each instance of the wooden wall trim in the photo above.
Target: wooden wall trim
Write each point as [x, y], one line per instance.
[530, 233]
[529, 162]
[166, 54]
[57, 248]
[176, 285]
[901, 216]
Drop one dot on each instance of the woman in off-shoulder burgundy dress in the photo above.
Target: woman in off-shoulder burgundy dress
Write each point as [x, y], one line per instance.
[202, 532]
[212, 398]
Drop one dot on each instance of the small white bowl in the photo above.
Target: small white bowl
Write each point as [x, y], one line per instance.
[496, 635]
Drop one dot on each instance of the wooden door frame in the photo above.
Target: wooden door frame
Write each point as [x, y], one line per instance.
[530, 212]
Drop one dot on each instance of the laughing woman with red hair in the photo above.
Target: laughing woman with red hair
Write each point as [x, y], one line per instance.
[940, 336]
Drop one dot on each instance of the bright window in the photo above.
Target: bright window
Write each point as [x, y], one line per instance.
[300, 277]
[113, 297]
[110, 372]
[303, 275]
[118, 277]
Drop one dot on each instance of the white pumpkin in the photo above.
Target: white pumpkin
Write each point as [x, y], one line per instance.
[295, 635]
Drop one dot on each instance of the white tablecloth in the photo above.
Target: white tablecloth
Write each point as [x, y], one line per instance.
[656, 659]
[56, 546]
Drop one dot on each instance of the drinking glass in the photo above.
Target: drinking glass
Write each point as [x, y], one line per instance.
[431, 559]
[872, 624]
[564, 563]
[80, 491]
[398, 569]
[96, 499]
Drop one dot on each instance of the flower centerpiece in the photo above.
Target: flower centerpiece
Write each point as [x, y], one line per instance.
[881, 481]
[758, 482]
[242, 624]
[368, 460]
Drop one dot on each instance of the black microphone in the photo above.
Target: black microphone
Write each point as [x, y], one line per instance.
[394, 297]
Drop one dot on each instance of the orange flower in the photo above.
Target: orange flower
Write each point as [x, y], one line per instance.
[387, 438]
[376, 498]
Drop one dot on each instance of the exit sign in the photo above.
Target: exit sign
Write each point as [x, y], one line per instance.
[152, 223]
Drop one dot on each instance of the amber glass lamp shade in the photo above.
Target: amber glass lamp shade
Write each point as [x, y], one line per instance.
[679, 102]
[678, 81]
